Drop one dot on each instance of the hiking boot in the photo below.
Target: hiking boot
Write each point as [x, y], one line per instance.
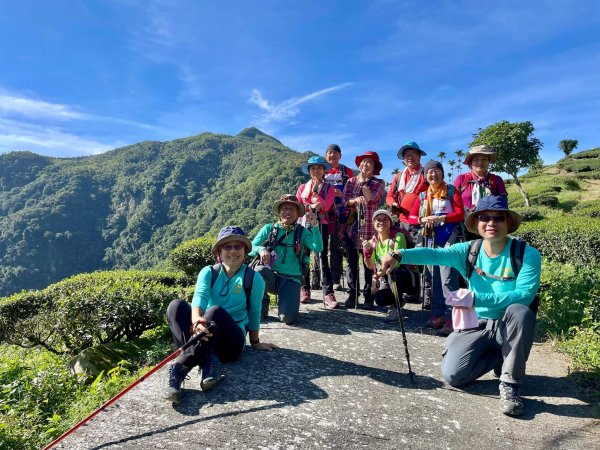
[337, 287]
[177, 374]
[369, 306]
[207, 373]
[436, 322]
[350, 302]
[510, 402]
[330, 302]
[304, 295]
[447, 328]
[392, 316]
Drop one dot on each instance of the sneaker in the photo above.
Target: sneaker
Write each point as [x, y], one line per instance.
[330, 302]
[206, 371]
[369, 306]
[337, 287]
[350, 302]
[304, 295]
[392, 316]
[177, 374]
[436, 322]
[447, 328]
[510, 402]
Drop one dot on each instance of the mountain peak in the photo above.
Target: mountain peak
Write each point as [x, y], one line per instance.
[255, 133]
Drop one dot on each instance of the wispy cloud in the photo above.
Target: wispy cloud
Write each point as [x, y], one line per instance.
[288, 108]
[22, 106]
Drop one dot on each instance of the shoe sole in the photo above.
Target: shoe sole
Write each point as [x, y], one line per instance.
[174, 397]
[209, 383]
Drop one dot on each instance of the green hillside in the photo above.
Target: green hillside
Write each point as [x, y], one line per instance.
[129, 207]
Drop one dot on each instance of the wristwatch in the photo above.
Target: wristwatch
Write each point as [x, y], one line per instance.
[396, 256]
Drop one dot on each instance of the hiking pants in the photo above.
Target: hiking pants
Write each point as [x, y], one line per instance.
[352, 272]
[404, 282]
[326, 282]
[227, 342]
[445, 280]
[507, 342]
[336, 258]
[287, 290]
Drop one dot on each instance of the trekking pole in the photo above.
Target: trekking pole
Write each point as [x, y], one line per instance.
[319, 224]
[401, 322]
[172, 356]
[359, 219]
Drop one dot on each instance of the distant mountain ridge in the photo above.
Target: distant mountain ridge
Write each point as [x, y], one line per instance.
[130, 206]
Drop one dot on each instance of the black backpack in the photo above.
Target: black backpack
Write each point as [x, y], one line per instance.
[248, 282]
[517, 250]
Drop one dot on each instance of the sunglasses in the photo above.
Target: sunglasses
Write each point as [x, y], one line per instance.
[486, 218]
[230, 247]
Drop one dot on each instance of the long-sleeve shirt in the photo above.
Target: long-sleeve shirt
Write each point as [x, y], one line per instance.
[466, 181]
[325, 197]
[288, 263]
[230, 295]
[353, 189]
[492, 296]
[405, 200]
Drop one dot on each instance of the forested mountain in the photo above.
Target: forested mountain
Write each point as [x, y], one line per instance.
[129, 207]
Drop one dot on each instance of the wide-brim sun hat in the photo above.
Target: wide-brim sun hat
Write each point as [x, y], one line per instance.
[385, 212]
[370, 154]
[288, 198]
[410, 145]
[230, 234]
[492, 203]
[480, 150]
[315, 161]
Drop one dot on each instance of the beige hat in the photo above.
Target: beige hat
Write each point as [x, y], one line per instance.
[288, 198]
[385, 212]
[480, 150]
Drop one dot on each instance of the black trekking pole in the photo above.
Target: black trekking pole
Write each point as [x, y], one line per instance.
[401, 322]
[161, 364]
[360, 217]
[319, 256]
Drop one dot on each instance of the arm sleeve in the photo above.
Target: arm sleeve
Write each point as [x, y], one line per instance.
[312, 239]
[527, 284]
[378, 192]
[413, 218]
[202, 291]
[458, 208]
[256, 295]
[258, 240]
[390, 197]
[347, 195]
[458, 182]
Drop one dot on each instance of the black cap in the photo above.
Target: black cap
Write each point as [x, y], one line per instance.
[334, 147]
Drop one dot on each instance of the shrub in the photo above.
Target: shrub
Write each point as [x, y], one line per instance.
[545, 199]
[565, 239]
[589, 208]
[530, 214]
[88, 309]
[191, 256]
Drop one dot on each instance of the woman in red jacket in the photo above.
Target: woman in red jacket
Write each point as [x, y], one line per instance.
[439, 211]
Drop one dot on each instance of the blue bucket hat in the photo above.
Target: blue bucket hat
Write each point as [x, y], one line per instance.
[492, 203]
[232, 233]
[407, 145]
[315, 161]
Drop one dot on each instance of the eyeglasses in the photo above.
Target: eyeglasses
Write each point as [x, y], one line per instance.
[486, 218]
[382, 219]
[230, 247]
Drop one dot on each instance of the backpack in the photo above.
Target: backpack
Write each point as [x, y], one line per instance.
[248, 282]
[517, 250]
[393, 232]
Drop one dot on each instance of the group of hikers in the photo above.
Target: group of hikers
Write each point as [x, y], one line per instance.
[433, 234]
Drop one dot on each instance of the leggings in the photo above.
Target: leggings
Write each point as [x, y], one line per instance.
[227, 342]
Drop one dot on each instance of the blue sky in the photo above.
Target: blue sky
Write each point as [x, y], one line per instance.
[83, 77]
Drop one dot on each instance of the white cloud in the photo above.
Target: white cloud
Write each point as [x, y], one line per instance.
[21, 106]
[288, 108]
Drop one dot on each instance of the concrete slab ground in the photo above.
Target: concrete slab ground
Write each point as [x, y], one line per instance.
[340, 380]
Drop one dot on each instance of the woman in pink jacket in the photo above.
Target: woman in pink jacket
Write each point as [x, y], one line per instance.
[318, 196]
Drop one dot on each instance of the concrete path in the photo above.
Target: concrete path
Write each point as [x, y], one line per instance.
[340, 381]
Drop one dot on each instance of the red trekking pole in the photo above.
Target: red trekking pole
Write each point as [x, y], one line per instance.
[156, 368]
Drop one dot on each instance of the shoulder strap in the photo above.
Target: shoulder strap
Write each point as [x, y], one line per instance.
[450, 191]
[248, 282]
[214, 273]
[474, 248]
[344, 170]
[517, 249]
[297, 239]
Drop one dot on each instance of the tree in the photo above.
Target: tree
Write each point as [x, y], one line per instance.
[442, 156]
[517, 148]
[459, 154]
[451, 163]
[537, 165]
[568, 145]
[395, 171]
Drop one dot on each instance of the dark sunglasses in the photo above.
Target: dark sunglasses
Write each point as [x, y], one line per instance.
[486, 218]
[230, 247]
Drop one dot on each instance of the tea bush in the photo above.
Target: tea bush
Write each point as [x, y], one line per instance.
[191, 256]
[589, 208]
